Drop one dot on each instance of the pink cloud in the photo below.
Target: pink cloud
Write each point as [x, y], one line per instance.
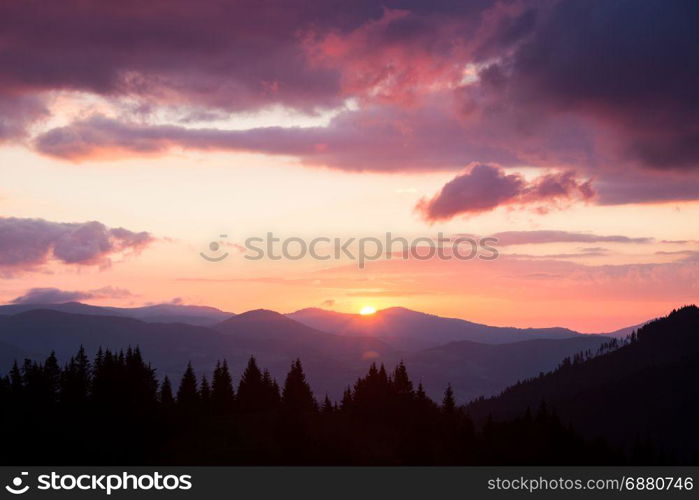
[507, 238]
[485, 187]
[396, 59]
[58, 296]
[26, 244]
[438, 85]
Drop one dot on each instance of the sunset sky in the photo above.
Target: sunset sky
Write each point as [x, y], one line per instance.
[133, 134]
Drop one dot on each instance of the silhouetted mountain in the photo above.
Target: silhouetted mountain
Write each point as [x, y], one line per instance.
[42, 331]
[175, 313]
[644, 391]
[411, 330]
[475, 369]
[622, 333]
[159, 313]
[10, 353]
[328, 357]
[264, 324]
[271, 337]
[67, 307]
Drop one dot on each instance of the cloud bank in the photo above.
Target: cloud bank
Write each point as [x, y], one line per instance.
[435, 86]
[485, 187]
[30, 243]
[58, 296]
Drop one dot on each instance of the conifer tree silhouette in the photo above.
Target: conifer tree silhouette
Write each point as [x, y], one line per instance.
[204, 393]
[297, 396]
[166, 398]
[222, 394]
[271, 398]
[381, 420]
[448, 403]
[401, 382]
[75, 380]
[187, 394]
[327, 407]
[251, 389]
[16, 383]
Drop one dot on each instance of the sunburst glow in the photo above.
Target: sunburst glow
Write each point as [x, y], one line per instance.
[367, 310]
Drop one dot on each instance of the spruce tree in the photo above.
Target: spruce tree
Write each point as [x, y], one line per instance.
[251, 391]
[52, 376]
[401, 382]
[271, 392]
[187, 394]
[346, 403]
[327, 408]
[448, 403]
[204, 391]
[222, 394]
[297, 396]
[166, 398]
[16, 382]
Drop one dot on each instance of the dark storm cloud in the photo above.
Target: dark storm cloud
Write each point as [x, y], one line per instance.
[609, 90]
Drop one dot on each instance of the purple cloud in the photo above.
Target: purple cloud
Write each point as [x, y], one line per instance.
[381, 138]
[437, 86]
[58, 296]
[507, 238]
[17, 112]
[228, 56]
[29, 243]
[484, 187]
[632, 74]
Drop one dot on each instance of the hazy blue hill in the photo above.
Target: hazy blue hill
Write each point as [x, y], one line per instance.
[411, 330]
[175, 313]
[273, 339]
[158, 313]
[10, 353]
[476, 369]
[66, 307]
[332, 361]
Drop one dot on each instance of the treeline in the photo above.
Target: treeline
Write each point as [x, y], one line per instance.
[114, 410]
[639, 392]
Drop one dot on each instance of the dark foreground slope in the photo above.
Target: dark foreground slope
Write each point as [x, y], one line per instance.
[113, 410]
[644, 392]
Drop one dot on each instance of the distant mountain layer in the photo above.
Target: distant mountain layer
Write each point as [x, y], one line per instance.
[331, 361]
[622, 333]
[159, 313]
[645, 390]
[475, 369]
[402, 328]
[410, 330]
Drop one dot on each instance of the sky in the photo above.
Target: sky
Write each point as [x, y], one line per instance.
[133, 135]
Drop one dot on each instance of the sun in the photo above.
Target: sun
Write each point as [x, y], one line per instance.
[367, 310]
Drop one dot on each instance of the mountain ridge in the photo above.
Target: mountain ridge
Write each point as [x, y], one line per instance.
[645, 388]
